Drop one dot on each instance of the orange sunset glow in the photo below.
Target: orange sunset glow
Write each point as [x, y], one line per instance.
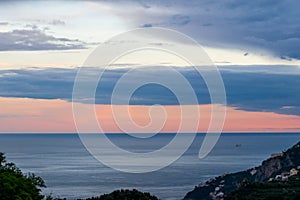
[21, 115]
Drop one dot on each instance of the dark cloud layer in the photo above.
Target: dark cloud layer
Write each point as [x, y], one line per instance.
[4, 23]
[256, 91]
[272, 25]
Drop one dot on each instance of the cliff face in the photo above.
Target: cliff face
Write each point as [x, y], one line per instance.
[278, 166]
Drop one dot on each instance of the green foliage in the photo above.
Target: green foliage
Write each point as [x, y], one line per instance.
[276, 190]
[125, 195]
[14, 185]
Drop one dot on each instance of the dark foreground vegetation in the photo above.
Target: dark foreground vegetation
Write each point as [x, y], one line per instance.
[125, 195]
[14, 185]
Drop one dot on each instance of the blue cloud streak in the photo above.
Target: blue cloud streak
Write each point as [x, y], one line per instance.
[252, 88]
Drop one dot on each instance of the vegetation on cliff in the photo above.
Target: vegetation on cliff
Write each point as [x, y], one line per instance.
[273, 190]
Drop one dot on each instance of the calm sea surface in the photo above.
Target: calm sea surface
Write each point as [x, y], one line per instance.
[70, 171]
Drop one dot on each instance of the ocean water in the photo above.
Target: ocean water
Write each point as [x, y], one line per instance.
[70, 171]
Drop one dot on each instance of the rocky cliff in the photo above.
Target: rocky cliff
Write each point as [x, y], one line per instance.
[278, 166]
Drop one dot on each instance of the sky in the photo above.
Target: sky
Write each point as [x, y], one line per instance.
[254, 45]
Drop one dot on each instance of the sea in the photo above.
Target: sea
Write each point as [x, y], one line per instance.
[71, 172]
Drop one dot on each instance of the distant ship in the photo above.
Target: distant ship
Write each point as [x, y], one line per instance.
[238, 145]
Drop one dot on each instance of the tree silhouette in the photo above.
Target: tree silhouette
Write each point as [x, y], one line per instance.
[14, 185]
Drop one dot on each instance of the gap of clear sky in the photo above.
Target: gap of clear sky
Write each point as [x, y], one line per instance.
[255, 44]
